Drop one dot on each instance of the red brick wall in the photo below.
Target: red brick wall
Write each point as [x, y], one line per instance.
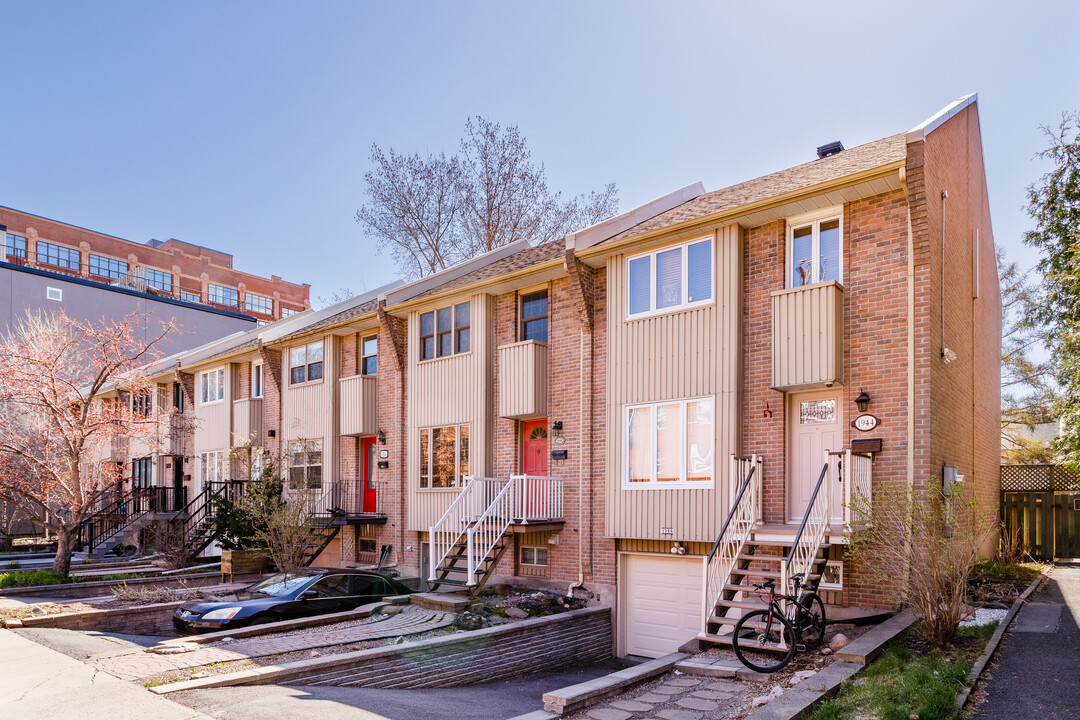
[272, 404]
[965, 397]
[390, 483]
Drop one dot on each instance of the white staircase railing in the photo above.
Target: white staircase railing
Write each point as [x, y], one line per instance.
[858, 473]
[815, 525]
[474, 499]
[482, 536]
[537, 498]
[745, 482]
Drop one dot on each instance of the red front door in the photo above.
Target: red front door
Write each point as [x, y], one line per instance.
[534, 451]
[367, 451]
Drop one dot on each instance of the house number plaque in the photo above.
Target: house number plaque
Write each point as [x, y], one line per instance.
[865, 423]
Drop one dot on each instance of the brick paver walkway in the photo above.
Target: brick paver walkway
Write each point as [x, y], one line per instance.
[410, 621]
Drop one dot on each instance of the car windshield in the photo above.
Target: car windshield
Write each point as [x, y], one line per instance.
[281, 584]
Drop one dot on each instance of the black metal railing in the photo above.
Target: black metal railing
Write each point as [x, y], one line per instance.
[119, 510]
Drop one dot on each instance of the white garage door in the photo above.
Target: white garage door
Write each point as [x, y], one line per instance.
[661, 606]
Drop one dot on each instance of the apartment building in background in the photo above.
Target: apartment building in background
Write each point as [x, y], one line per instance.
[653, 412]
[47, 264]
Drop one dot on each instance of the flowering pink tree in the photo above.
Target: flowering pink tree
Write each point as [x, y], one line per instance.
[63, 385]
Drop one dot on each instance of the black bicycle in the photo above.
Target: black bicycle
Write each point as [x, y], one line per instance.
[766, 640]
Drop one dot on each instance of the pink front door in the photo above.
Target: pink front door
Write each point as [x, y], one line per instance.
[534, 450]
[815, 425]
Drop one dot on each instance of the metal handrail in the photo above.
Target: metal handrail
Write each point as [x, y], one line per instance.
[739, 525]
[734, 507]
[803, 549]
[451, 527]
[858, 477]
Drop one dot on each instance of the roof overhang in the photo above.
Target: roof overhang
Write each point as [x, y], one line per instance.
[932, 123]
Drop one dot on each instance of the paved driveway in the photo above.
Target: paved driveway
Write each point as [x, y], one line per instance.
[1036, 673]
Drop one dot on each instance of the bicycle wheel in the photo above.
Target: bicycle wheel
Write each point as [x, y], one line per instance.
[764, 641]
[811, 620]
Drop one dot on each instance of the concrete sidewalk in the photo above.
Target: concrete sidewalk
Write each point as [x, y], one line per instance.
[39, 683]
[1037, 667]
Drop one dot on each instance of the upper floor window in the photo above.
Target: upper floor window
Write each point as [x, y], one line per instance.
[259, 304]
[107, 267]
[444, 456]
[369, 359]
[288, 312]
[670, 278]
[814, 251]
[211, 386]
[178, 397]
[141, 473]
[57, 256]
[669, 444]
[534, 316]
[159, 280]
[14, 246]
[306, 363]
[256, 380]
[223, 295]
[444, 331]
[190, 297]
[141, 403]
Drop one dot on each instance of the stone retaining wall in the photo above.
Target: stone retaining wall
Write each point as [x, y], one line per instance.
[544, 644]
[145, 620]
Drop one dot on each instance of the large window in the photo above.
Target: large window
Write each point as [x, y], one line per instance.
[306, 363]
[369, 355]
[305, 465]
[141, 403]
[669, 444]
[444, 456]
[57, 256]
[211, 386]
[814, 251]
[159, 280]
[444, 331]
[534, 316]
[223, 295]
[671, 278]
[140, 473]
[107, 267]
[259, 304]
[14, 246]
[288, 312]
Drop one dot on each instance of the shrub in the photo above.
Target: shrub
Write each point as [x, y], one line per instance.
[926, 541]
[29, 578]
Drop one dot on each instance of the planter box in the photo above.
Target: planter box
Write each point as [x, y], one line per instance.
[243, 562]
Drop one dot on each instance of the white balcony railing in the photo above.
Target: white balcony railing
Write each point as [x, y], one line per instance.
[858, 474]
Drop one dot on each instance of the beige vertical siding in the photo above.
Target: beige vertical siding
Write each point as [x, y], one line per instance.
[523, 386]
[450, 391]
[309, 411]
[213, 422]
[358, 405]
[246, 421]
[807, 336]
[683, 354]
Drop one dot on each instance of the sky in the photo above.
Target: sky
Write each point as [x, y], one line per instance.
[247, 126]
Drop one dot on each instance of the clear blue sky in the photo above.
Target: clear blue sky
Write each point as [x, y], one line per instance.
[246, 126]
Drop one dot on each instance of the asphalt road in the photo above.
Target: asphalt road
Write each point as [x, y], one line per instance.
[491, 701]
[1036, 672]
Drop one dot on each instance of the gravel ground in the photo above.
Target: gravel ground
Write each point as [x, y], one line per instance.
[984, 616]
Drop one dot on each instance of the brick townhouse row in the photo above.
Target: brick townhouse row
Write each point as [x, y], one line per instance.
[608, 394]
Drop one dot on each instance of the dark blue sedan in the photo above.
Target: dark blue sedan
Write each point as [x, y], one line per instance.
[286, 596]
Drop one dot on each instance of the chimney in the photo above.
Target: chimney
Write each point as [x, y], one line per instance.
[833, 148]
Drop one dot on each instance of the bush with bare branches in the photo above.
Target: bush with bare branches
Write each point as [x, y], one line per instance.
[925, 541]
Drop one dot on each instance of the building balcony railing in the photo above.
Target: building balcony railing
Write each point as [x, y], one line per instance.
[808, 336]
[523, 381]
[357, 405]
[247, 421]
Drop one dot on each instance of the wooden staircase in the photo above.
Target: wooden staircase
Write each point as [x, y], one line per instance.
[760, 560]
[454, 570]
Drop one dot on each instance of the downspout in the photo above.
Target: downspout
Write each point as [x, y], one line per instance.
[910, 485]
[581, 465]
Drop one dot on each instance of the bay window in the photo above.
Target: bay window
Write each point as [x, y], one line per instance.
[669, 444]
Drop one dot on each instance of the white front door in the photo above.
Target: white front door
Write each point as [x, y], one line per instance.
[815, 425]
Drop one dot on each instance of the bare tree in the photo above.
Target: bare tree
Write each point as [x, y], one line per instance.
[413, 207]
[433, 213]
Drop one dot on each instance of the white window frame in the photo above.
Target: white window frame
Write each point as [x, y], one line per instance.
[307, 363]
[653, 483]
[684, 305]
[211, 468]
[204, 393]
[536, 550]
[814, 219]
[459, 475]
[257, 380]
[306, 447]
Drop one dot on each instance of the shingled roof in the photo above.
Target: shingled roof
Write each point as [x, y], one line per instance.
[526, 258]
[344, 316]
[857, 159]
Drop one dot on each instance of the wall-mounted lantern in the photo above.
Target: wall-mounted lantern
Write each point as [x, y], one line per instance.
[863, 401]
[381, 437]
